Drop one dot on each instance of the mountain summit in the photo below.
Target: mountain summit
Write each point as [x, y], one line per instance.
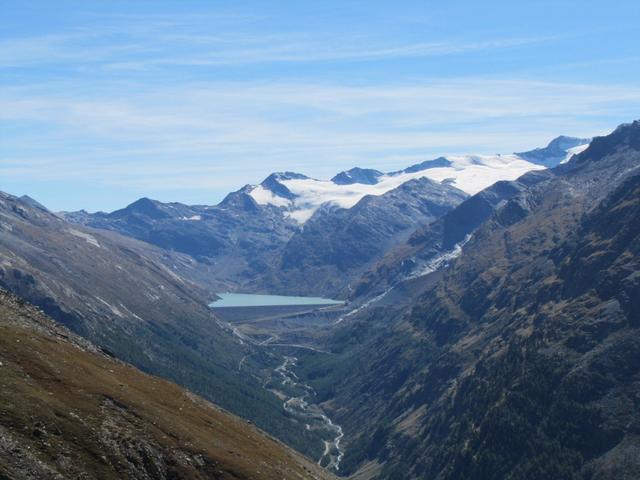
[299, 197]
[366, 176]
[559, 150]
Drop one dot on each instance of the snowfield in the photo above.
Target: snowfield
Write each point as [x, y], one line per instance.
[470, 173]
[300, 196]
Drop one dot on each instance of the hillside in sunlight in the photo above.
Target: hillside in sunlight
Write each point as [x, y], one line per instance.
[68, 410]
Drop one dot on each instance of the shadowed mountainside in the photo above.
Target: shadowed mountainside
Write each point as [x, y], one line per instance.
[234, 237]
[432, 242]
[523, 359]
[337, 244]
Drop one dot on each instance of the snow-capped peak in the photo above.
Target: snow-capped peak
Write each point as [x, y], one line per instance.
[300, 196]
[366, 176]
[558, 151]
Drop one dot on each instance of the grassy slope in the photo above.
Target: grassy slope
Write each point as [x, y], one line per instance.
[66, 409]
[126, 296]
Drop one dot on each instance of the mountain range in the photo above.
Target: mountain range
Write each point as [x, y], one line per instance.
[521, 358]
[254, 236]
[489, 330]
[135, 301]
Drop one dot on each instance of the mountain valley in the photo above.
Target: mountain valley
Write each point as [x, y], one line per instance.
[480, 294]
[134, 301]
[292, 234]
[337, 240]
[68, 410]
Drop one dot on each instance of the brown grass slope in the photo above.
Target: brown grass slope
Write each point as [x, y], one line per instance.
[133, 299]
[69, 411]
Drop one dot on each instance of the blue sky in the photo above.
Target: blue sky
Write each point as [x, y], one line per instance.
[102, 102]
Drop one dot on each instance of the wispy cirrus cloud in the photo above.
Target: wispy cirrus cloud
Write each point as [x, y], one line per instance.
[199, 133]
[138, 43]
[167, 99]
[298, 50]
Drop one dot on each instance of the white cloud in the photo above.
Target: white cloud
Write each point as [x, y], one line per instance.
[159, 41]
[160, 134]
[206, 135]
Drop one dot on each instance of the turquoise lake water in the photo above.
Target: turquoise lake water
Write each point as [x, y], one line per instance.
[251, 300]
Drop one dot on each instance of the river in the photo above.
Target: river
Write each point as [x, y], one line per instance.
[301, 405]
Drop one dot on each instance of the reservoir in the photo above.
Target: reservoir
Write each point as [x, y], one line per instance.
[231, 300]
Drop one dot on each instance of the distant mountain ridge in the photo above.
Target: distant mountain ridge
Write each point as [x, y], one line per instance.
[300, 196]
[345, 189]
[250, 236]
